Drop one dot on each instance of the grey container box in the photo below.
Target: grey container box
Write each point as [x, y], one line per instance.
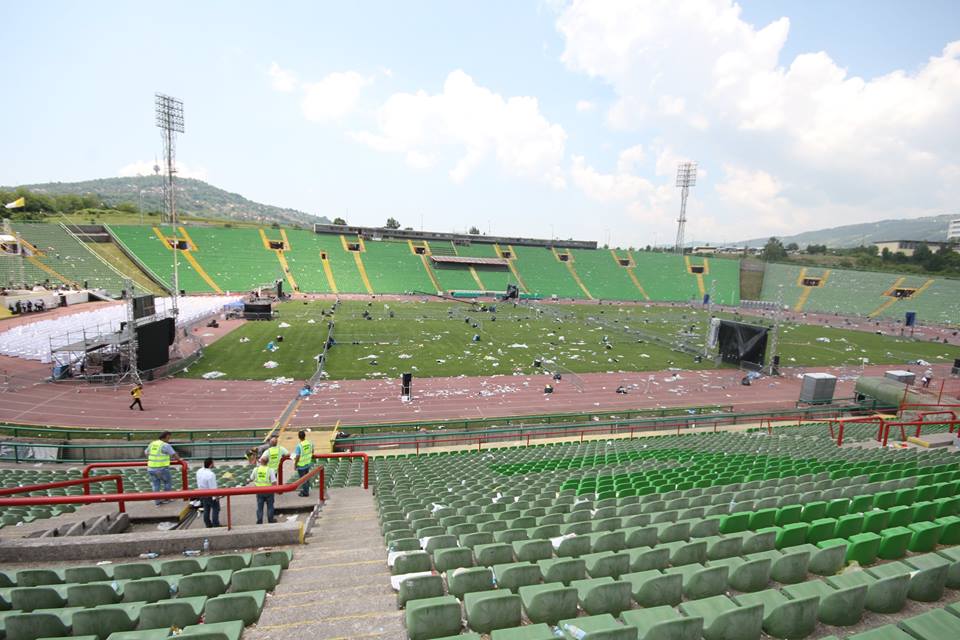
[818, 388]
[906, 377]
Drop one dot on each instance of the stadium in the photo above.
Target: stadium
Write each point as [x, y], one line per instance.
[223, 420]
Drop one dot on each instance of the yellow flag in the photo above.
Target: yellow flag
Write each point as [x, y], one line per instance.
[16, 204]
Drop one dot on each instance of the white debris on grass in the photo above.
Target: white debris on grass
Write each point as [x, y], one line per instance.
[283, 325]
[213, 375]
[270, 364]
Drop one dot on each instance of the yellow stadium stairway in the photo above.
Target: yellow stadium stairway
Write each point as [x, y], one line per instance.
[631, 271]
[573, 272]
[476, 278]
[281, 258]
[425, 246]
[513, 269]
[358, 260]
[891, 300]
[328, 271]
[188, 254]
[807, 290]
[706, 269]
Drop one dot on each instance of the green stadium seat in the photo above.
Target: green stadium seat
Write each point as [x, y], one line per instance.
[37, 577]
[514, 575]
[884, 595]
[863, 548]
[270, 558]
[596, 627]
[603, 595]
[549, 603]
[429, 618]
[182, 567]
[532, 550]
[210, 631]
[932, 625]
[526, 632]
[663, 623]
[488, 555]
[563, 570]
[782, 617]
[92, 594]
[652, 588]
[86, 574]
[489, 610]
[411, 562]
[39, 624]
[463, 581]
[724, 619]
[838, 607]
[701, 582]
[952, 555]
[925, 536]
[746, 575]
[27, 599]
[263, 578]
[607, 564]
[929, 576]
[233, 561]
[209, 584]
[416, 587]
[103, 621]
[172, 613]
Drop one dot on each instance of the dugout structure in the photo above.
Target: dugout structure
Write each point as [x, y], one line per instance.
[741, 344]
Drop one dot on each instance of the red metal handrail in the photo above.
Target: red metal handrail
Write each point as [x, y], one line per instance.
[319, 456]
[86, 482]
[919, 424]
[857, 420]
[120, 498]
[136, 463]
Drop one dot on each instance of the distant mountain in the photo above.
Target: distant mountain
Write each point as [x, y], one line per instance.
[194, 197]
[853, 235]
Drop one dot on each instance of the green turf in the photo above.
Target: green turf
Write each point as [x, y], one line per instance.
[425, 339]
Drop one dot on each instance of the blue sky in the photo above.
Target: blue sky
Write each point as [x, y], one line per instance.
[524, 118]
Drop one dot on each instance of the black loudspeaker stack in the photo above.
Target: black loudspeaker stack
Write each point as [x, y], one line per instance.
[405, 381]
[956, 367]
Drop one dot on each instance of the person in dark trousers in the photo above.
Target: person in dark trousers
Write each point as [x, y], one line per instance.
[137, 393]
[207, 479]
[303, 461]
[264, 476]
[159, 453]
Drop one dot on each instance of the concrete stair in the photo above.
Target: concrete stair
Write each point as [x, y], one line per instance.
[338, 585]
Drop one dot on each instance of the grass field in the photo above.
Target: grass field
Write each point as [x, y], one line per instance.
[437, 339]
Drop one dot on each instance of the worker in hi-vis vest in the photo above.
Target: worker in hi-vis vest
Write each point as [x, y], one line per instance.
[264, 476]
[159, 453]
[303, 461]
[275, 452]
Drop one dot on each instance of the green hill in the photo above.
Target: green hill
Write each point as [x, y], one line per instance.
[194, 198]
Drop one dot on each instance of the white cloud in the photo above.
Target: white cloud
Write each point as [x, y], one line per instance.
[282, 79]
[800, 136]
[473, 123]
[145, 168]
[583, 106]
[333, 97]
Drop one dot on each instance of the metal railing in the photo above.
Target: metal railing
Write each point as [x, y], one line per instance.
[189, 495]
[319, 456]
[116, 452]
[185, 482]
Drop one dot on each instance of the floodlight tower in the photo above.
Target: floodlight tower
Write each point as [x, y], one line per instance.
[686, 178]
[169, 113]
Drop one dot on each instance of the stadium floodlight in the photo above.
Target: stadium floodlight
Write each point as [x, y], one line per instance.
[686, 178]
[169, 112]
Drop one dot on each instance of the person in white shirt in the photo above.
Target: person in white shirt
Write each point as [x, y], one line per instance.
[207, 479]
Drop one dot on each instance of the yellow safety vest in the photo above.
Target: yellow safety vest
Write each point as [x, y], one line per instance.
[274, 458]
[262, 479]
[306, 454]
[156, 458]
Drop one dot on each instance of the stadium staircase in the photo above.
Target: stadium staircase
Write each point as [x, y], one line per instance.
[340, 584]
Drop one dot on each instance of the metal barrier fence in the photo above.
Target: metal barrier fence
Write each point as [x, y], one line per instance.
[83, 453]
